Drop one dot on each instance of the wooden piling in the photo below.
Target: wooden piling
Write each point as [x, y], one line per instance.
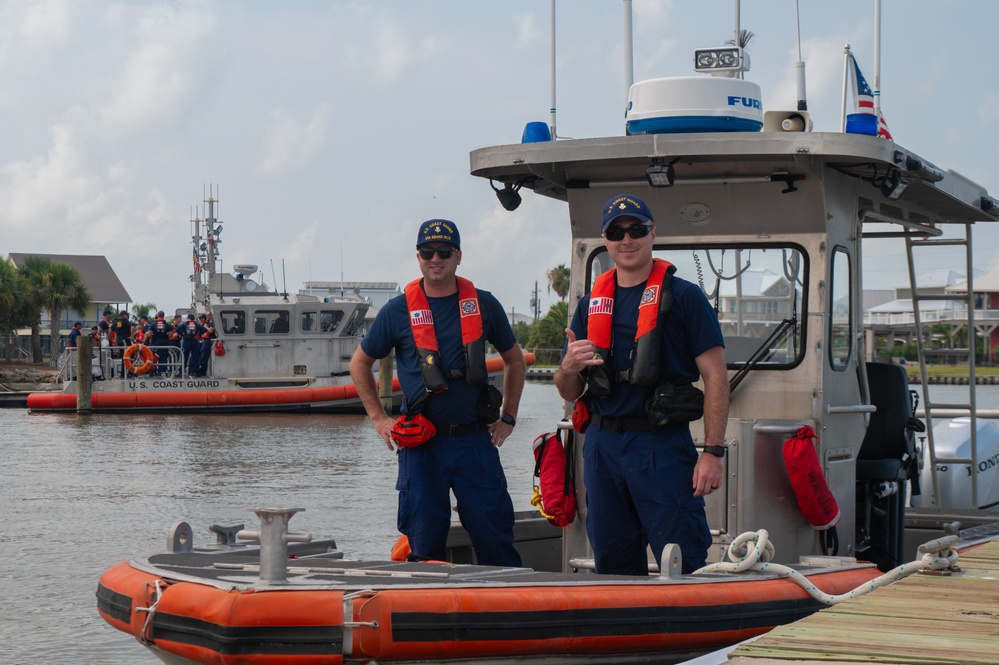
[385, 382]
[84, 373]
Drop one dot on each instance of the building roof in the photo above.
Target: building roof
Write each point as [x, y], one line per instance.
[95, 271]
[985, 282]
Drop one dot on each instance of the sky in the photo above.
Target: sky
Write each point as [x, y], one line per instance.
[330, 130]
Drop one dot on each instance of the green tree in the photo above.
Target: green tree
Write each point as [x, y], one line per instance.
[549, 332]
[143, 310]
[522, 331]
[558, 281]
[62, 289]
[13, 305]
[33, 271]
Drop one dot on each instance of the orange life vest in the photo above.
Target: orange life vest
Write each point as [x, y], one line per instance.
[421, 323]
[656, 299]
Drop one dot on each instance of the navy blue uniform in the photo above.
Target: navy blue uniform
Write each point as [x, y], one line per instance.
[469, 464]
[639, 484]
[190, 333]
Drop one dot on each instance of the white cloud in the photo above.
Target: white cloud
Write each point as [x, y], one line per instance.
[159, 82]
[289, 143]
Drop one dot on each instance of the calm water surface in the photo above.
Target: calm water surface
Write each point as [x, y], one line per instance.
[79, 494]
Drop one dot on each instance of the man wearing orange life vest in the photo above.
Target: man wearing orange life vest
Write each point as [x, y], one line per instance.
[645, 484]
[438, 329]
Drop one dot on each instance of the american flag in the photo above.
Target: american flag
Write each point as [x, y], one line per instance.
[601, 305]
[421, 317]
[863, 99]
[197, 263]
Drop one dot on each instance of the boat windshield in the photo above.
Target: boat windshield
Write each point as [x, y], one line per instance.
[756, 291]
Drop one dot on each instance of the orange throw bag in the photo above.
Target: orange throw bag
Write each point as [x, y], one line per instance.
[815, 500]
[554, 493]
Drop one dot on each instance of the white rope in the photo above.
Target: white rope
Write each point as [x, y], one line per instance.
[142, 637]
[936, 555]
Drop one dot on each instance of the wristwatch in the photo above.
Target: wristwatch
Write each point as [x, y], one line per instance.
[717, 451]
[509, 420]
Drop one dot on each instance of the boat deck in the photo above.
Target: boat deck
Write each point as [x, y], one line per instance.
[924, 619]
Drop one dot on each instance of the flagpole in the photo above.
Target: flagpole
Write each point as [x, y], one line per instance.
[877, 58]
[846, 80]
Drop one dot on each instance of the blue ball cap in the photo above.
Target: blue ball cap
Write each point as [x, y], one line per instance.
[438, 230]
[625, 205]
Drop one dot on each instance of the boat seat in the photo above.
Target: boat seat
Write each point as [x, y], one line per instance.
[888, 451]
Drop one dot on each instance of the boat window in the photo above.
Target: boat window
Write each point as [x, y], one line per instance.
[355, 322]
[233, 322]
[841, 310]
[271, 321]
[330, 319]
[757, 291]
[308, 321]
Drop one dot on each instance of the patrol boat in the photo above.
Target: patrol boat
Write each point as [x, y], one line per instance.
[274, 351]
[770, 220]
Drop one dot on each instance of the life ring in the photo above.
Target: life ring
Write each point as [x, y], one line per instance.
[139, 359]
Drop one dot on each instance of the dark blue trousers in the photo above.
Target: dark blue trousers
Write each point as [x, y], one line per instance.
[470, 467]
[639, 493]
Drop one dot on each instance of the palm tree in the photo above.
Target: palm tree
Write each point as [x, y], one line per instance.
[745, 36]
[34, 270]
[558, 279]
[63, 289]
[549, 332]
[143, 310]
[13, 302]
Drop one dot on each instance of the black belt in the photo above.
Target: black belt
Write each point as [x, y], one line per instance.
[622, 424]
[461, 430]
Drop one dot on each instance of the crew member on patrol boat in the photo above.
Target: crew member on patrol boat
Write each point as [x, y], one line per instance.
[158, 337]
[190, 333]
[438, 329]
[645, 483]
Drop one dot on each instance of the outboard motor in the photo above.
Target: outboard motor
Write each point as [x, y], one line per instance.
[952, 439]
[886, 463]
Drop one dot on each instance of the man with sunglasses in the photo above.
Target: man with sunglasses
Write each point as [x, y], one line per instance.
[438, 329]
[645, 483]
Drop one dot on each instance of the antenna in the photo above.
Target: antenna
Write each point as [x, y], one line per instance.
[629, 53]
[273, 276]
[800, 65]
[284, 282]
[552, 110]
[341, 261]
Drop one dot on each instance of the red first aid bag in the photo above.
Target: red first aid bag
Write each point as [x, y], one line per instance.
[220, 348]
[554, 493]
[815, 500]
[412, 431]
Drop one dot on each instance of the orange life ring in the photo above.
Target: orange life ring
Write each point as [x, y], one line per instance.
[139, 359]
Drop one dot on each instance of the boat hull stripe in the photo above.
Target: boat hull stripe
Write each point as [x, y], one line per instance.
[115, 605]
[246, 640]
[602, 622]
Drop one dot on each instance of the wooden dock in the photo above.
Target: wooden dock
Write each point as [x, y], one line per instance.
[925, 619]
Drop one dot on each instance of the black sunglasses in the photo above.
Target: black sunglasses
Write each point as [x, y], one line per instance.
[427, 253]
[616, 233]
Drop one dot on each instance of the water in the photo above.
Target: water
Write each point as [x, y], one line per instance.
[80, 494]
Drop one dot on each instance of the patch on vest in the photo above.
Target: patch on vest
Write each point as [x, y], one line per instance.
[601, 306]
[650, 296]
[469, 307]
[421, 317]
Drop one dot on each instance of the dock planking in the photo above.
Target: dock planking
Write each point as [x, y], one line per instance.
[921, 620]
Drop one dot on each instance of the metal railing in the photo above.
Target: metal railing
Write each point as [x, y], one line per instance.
[108, 365]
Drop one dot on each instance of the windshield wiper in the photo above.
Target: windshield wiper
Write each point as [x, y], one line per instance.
[761, 353]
